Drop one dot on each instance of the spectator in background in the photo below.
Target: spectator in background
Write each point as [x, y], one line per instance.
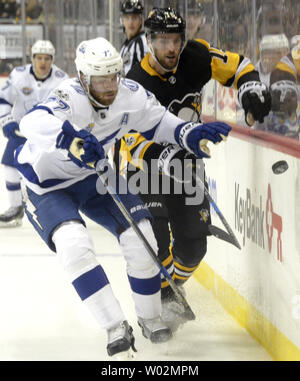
[195, 20]
[284, 84]
[34, 12]
[8, 9]
[135, 46]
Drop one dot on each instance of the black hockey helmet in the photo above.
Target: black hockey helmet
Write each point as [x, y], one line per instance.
[131, 6]
[164, 20]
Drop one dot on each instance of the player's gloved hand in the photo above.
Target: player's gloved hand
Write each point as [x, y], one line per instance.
[9, 126]
[84, 149]
[178, 163]
[194, 137]
[255, 99]
[284, 98]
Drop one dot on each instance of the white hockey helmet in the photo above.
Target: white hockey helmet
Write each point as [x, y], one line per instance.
[274, 42]
[97, 57]
[43, 47]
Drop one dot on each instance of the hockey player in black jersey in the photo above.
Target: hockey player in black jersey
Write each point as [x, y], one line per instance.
[176, 71]
[134, 47]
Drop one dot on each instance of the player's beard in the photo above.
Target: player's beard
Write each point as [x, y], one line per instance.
[105, 99]
[169, 61]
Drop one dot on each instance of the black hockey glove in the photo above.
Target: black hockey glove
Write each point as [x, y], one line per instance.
[284, 98]
[255, 99]
[179, 164]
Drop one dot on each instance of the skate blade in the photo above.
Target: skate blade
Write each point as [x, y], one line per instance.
[11, 224]
[125, 356]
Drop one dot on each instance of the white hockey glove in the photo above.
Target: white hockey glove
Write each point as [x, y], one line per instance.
[284, 98]
[178, 163]
[194, 137]
[10, 127]
[84, 149]
[255, 99]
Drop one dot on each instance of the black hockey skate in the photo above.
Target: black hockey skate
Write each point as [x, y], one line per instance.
[155, 330]
[121, 341]
[12, 217]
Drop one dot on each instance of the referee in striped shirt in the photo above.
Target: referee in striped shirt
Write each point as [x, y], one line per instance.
[135, 46]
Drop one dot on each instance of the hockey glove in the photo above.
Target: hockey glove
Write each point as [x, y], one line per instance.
[284, 98]
[178, 164]
[84, 149]
[255, 99]
[194, 137]
[9, 126]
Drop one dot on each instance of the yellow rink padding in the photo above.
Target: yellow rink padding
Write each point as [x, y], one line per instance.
[275, 342]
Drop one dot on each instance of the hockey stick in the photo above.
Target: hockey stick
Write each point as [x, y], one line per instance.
[189, 314]
[230, 237]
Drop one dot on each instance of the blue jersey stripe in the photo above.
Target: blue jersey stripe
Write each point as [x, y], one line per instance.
[28, 172]
[41, 107]
[90, 282]
[150, 133]
[4, 102]
[145, 286]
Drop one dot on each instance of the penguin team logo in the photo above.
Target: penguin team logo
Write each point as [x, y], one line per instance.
[204, 213]
[189, 108]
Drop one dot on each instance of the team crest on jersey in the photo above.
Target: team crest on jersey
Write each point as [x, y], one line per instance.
[20, 68]
[130, 140]
[61, 94]
[189, 108]
[131, 85]
[59, 74]
[27, 90]
[204, 213]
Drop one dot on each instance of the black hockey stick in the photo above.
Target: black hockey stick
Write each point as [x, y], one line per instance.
[189, 314]
[219, 233]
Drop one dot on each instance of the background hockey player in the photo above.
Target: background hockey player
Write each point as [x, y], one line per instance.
[284, 87]
[176, 71]
[272, 48]
[97, 110]
[134, 47]
[25, 87]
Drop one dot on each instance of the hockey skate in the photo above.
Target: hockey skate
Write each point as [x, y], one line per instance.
[155, 330]
[121, 341]
[12, 217]
[174, 313]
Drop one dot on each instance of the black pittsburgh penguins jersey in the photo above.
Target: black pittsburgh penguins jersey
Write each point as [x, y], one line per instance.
[288, 68]
[180, 90]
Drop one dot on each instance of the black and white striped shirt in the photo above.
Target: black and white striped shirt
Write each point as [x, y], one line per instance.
[133, 51]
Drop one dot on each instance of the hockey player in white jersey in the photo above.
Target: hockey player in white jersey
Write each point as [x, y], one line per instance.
[97, 109]
[26, 86]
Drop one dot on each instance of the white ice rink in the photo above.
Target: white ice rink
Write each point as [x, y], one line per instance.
[42, 318]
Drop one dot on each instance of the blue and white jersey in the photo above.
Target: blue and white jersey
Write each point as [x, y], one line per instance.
[45, 167]
[23, 90]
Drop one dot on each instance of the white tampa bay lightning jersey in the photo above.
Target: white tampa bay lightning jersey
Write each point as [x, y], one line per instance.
[45, 167]
[23, 90]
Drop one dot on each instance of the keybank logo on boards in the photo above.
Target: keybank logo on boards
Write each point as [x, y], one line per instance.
[254, 220]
